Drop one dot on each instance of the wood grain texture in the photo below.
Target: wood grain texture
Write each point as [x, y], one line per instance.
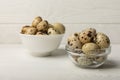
[9, 33]
[104, 15]
[65, 11]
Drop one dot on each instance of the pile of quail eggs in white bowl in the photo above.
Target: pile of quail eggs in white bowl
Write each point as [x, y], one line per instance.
[88, 48]
[41, 38]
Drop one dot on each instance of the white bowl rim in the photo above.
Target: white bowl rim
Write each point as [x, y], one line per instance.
[41, 35]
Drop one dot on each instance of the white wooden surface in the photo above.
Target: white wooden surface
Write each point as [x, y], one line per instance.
[104, 15]
[66, 11]
[16, 64]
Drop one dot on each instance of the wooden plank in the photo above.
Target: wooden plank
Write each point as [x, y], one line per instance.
[65, 11]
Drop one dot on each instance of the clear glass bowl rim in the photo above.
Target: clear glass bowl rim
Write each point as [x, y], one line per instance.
[79, 54]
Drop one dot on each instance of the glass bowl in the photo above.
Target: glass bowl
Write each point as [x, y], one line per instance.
[95, 59]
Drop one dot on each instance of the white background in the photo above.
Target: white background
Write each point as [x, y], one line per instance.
[104, 15]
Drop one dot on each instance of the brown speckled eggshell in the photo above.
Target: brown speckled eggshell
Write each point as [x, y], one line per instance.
[31, 31]
[74, 42]
[41, 33]
[87, 35]
[52, 31]
[43, 26]
[59, 27]
[24, 29]
[102, 40]
[36, 21]
[89, 48]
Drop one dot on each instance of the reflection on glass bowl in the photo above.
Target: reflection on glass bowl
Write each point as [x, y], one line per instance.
[94, 60]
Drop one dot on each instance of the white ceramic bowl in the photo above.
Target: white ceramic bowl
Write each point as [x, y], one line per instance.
[41, 45]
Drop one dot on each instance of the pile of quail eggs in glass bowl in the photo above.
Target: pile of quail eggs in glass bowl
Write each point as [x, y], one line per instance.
[88, 48]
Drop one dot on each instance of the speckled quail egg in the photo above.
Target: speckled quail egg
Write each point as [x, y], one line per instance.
[90, 48]
[43, 26]
[74, 42]
[24, 29]
[84, 61]
[31, 31]
[59, 27]
[52, 31]
[41, 33]
[75, 45]
[36, 21]
[87, 35]
[73, 37]
[75, 57]
[100, 59]
[50, 25]
[102, 40]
